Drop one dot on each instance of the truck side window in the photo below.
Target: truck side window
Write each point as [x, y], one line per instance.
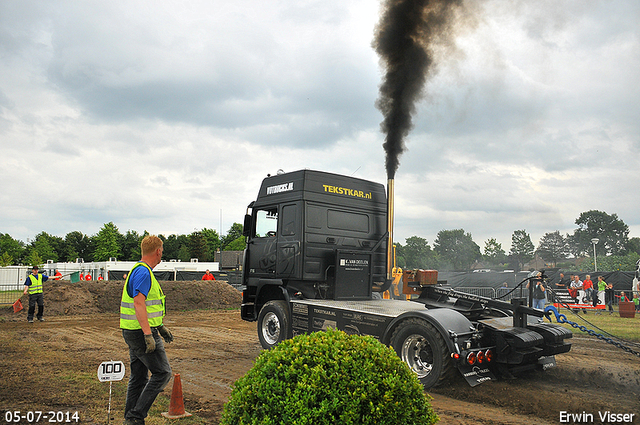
[266, 222]
[289, 213]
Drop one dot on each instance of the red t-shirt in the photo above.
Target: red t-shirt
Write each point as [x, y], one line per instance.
[587, 284]
[208, 277]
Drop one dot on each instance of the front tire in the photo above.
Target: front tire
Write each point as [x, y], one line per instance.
[419, 344]
[273, 323]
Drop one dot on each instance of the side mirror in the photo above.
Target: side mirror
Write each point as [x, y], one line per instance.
[246, 229]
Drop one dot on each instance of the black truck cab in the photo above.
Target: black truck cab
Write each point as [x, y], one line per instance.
[319, 234]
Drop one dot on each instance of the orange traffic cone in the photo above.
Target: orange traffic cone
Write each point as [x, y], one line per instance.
[176, 405]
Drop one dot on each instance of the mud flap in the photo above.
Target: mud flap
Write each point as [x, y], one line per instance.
[476, 375]
[547, 362]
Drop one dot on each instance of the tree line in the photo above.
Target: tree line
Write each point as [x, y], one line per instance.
[109, 242]
[453, 250]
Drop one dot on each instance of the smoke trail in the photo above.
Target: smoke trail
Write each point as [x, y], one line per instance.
[405, 36]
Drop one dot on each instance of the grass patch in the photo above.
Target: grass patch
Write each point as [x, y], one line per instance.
[621, 327]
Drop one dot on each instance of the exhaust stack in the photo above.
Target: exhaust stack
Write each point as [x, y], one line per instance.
[390, 206]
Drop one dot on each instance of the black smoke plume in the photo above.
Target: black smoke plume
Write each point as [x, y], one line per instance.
[405, 38]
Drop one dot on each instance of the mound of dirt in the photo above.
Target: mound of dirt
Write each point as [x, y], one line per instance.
[84, 298]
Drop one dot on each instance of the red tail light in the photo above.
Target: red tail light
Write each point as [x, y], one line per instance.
[481, 357]
[489, 356]
[471, 358]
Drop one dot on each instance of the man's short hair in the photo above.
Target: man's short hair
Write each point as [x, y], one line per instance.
[149, 244]
[34, 268]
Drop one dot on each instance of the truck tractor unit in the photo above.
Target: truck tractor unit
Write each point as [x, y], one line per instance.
[319, 254]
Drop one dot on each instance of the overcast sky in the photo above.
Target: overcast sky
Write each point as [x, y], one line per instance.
[165, 116]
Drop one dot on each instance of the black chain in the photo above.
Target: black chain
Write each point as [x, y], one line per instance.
[561, 318]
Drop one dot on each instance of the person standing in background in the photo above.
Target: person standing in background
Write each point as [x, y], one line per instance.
[539, 294]
[601, 286]
[563, 283]
[33, 286]
[609, 295]
[208, 276]
[587, 286]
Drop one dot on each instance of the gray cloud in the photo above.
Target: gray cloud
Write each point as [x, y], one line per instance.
[164, 116]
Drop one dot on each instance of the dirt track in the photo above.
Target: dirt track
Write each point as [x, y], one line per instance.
[214, 348]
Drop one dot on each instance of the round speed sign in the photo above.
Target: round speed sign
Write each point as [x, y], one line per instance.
[111, 371]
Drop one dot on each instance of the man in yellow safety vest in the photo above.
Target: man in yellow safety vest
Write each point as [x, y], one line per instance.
[33, 286]
[142, 309]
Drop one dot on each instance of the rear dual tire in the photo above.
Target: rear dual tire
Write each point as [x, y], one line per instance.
[421, 346]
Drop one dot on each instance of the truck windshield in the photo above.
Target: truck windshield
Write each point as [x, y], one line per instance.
[266, 222]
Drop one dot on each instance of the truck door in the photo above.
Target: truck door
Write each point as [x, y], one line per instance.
[288, 241]
[263, 245]
[275, 245]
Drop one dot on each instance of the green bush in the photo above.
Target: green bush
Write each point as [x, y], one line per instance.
[328, 378]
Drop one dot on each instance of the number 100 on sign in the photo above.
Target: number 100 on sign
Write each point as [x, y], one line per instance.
[110, 371]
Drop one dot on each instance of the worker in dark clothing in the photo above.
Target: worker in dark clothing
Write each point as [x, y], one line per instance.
[609, 295]
[33, 286]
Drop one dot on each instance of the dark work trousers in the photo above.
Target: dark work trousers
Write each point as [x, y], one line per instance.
[142, 390]
[33, 300]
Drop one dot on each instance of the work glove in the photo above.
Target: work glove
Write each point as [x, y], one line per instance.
[150, 343]
[165, 333]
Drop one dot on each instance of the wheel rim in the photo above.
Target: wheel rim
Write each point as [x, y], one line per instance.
[271, 328]
[417, 353]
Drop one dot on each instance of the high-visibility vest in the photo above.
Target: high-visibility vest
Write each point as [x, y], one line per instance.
[36, 284]
[154, 303]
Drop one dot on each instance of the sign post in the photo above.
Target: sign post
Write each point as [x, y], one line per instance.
[110, 371]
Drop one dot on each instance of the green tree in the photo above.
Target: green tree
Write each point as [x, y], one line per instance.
[6, 259]
[107, 242]
[553, 247]
[522, 248]
[612, 233]
[456, 249]
[493, 252]
[611, 263]
[400, 256]
[633, 245]
[131, 246]
[12, 247]
[234, 233]
[213, 240]
[176, 247]
[34, 259]
[418, 254]
[42, 244]
[183, 253]
[78, 246]
[198, 247]
[170, 247]
[236, 245]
